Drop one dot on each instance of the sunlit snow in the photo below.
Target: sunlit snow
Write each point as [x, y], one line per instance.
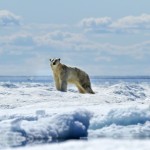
[33, 112]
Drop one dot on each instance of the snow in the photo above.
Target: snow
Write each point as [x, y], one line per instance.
[104, 144]
[46, 128]
[122, 123]
[34, 113]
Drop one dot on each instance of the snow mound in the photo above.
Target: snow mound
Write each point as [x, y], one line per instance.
[44, 128]
[8, 85]
[131, 91]
[125, 123]
[128, 116]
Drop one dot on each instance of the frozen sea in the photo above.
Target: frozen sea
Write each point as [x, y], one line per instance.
[35, 116]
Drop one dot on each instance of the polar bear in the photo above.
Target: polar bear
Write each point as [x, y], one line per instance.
[64, 74]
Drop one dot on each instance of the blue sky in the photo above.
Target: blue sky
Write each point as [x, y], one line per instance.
[102, 37]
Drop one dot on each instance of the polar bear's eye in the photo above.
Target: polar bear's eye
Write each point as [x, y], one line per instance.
[54, 63]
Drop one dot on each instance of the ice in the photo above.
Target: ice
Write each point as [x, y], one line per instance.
[122, 123]
[104, 144]
[125, 117]
[34, 113]
[132, 91]
[73, 125]
[8, 85]
[40, 113]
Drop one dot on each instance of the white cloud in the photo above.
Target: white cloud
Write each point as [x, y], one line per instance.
[18, 39]
[35, 43]
[17, 44]
[128, 24]
[60, 40]
[67, 46]
[7, 18]
[74, 42]
[22, 40]
[67, 42]
[133, 22]
[135, 51]
[96, 24]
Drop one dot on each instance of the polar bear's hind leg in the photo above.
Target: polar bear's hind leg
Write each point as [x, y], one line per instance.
[86, 85]
[80, 88]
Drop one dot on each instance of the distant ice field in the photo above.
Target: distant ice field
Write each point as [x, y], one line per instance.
[33, 112]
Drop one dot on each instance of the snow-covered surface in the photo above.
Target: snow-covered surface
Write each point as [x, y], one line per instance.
[34, 113]
[99, 144]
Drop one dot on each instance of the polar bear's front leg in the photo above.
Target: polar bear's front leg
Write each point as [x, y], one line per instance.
[63, 85]
[57, 83]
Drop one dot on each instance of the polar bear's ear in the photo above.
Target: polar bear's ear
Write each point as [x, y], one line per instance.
[50, 60]
[59, 59]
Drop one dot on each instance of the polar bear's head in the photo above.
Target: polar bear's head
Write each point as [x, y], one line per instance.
[54, 62]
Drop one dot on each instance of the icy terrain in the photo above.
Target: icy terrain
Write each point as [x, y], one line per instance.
[116, 117]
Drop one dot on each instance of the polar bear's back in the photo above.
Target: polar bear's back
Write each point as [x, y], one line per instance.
[76, 75]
